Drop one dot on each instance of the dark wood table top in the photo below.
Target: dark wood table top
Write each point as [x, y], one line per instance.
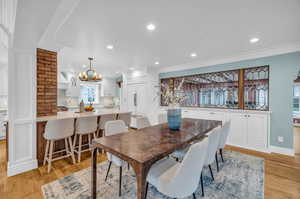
[155, 142]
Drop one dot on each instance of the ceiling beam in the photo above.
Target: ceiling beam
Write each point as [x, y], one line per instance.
[62, 14]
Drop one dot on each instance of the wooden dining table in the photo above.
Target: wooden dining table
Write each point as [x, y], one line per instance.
[142, 148]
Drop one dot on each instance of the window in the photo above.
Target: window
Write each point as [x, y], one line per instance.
[89, 93]
[236, 89]
[256, 88]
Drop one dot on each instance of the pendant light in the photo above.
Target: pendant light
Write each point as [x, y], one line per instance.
[90, 75]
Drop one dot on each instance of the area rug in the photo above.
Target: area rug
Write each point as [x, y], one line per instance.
[240, 176]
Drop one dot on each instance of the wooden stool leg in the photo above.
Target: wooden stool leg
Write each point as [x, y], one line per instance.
[89, 140]
[74, 141]
[79, 148]
[72, 150]
[66, 146]
[50, 155]
[46, 152]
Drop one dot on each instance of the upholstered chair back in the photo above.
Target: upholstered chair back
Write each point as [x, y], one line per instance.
[224, 134]
[59, 129]
[86, 125]
[213, 143]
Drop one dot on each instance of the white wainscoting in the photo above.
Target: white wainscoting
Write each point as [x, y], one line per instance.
[22, 111]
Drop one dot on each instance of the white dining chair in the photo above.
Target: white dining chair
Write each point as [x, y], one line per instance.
[223, 138]
[213, 143]
[103, 119]
[84, 126]
[126, 117]
[142, 122]
[171, 177]
[113, 128]
[56, 130]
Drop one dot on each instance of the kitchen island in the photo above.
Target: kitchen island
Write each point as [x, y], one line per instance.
[59, 145]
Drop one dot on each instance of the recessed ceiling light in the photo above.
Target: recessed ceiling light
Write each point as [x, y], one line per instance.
[193, 55]
[156, 63]
[131, 68]
[110, 47]
[151, 27]
[254, 40]
[83, 66]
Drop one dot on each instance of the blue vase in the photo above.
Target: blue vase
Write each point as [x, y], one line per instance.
[174, 118]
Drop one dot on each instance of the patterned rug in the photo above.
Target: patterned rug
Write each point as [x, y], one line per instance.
[240, 176]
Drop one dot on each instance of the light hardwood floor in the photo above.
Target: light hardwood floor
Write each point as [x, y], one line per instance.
[282, 175]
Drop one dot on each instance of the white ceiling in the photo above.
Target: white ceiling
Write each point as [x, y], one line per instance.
[210, 28]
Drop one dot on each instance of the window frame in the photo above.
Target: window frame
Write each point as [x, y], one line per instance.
[98, 92]
[240, 97]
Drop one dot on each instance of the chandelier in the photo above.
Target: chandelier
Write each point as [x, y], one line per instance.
[90, 75]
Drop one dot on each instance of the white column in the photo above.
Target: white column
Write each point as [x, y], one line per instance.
[22, 110]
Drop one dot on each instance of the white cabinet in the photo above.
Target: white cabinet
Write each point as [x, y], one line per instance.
[238, 129]
[249, 131]
[109, 87]
[257, 128]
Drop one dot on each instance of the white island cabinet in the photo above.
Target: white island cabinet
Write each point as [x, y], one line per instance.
[249, 129]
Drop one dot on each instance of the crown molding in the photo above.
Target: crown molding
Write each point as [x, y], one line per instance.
[254, 54]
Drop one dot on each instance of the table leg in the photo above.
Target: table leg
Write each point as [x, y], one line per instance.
[141, 172]
[94, 173]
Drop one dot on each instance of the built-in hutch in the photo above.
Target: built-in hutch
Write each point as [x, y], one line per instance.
[241, 96]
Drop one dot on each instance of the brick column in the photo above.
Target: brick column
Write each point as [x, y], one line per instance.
[46, 82]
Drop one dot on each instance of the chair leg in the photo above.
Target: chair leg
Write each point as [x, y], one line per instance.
[211, 173]
[120, 182]
[194, 196]
[202, 185]
[217, 162]
[50, 155]
[79, 148]
[107, 170]
[46, 152]
[221, 153]
[72, 150]
[147, 184]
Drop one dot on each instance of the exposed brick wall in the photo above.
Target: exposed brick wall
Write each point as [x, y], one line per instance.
[46, 82]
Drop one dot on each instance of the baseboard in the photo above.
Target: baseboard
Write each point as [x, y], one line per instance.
[281, 150]
[249, 148]
[21, 167]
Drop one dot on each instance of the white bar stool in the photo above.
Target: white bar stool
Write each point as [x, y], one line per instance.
[125, 117]
[58, 130]
[84, 126]
[104, 119]
[142, 122]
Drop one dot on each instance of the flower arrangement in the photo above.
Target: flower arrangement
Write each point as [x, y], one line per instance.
[173, 97]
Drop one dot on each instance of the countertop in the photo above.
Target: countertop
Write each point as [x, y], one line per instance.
[70, 115]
